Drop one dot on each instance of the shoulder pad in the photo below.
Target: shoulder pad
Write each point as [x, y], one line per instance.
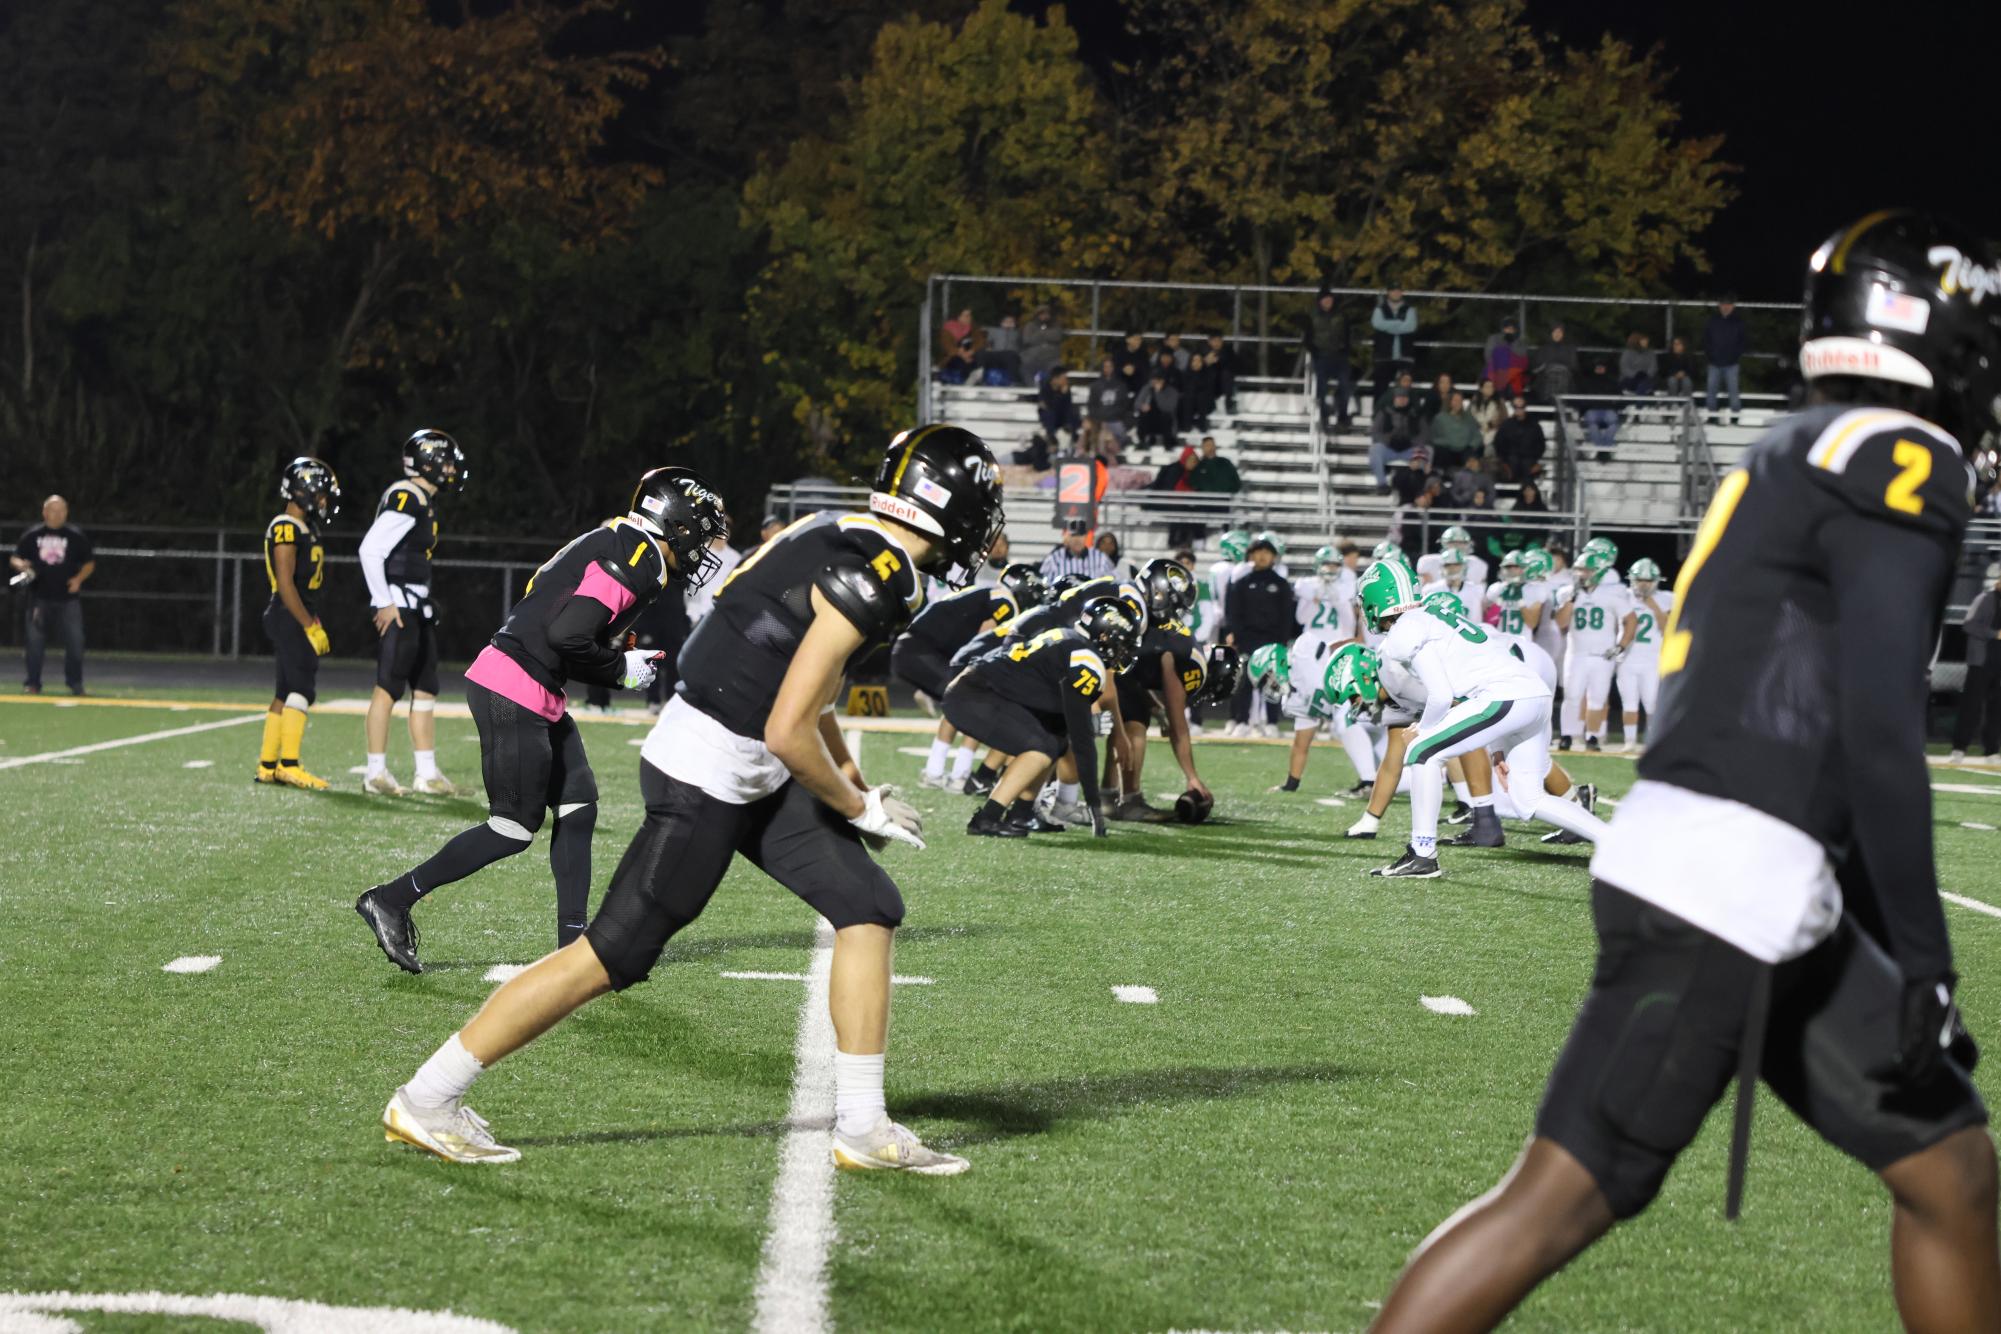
[271, 529]
[1003, 606]
[634, 559]
[1087, 671]
[1894, 466]
[887, 561]
[859, 594]
[417, 499]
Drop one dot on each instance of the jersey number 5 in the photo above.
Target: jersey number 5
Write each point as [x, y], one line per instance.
[1676, 643]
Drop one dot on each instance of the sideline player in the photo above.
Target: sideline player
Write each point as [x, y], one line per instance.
[1522, 601]
[1738, 907]
[396, 564]
[1034, 699]
[1597, 615]
[570, 625]
[922, 655]
[1639, 673]
[1458, 538]
[293, 540]
[748, 758]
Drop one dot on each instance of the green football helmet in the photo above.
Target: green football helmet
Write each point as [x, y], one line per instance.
[1388, 590]
[1645, 576]
[1453, 560]
[1537, 563]
[1236, 545]
[1512, 569]
[1277, 542]
[1388, 550]
[1591, 567]
[1600, 546]
[1352, 675]
[1270, 670]
[1455, 536]
[1446, 604]
[1327, 561]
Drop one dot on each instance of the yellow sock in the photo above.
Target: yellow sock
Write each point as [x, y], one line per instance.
[269, 754]
[291, 731]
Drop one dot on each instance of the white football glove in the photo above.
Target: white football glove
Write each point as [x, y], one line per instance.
[886, 818]
[1613, 654]
[641, 666]
[1364, 828]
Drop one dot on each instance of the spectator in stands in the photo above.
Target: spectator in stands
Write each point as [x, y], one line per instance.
[1529, 500]
[1327, 342]
[962, 367]
[1677, 370]
[1214, 473]
[1198, 393]
[1000, 359]
[1553, 369]
[1095, 441]
[1134, 363]
[1225, 363]
[1417, 481]
[1454, 434]
[1395, 323]
[952, 330]
[1110, 402]
[1982, 692]
[1723, 345]
[1167, 367]
[1041, 344]
[1639, 366]
[1056, 408]
[1178, 478]
[1519, 444]
[1259, 609]
[1469, 478]
[1595, 393]
[1436, 399]
[1394, 433]
[58, 560]
[1075, 554]
[1172, 346]
[1506, 365]
[1489, 409]
[1157, 406]
[1108, 542]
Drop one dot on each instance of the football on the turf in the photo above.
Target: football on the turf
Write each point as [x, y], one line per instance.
[1191, 807]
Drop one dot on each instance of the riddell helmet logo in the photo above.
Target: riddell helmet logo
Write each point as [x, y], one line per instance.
[1956, 271]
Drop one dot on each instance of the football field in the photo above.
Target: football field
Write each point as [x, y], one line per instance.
[1210, 1078]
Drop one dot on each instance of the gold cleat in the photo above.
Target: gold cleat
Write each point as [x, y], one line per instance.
[435, 786]
[266, 773]
[455, 1132]
[890, 1147]
[293, 775]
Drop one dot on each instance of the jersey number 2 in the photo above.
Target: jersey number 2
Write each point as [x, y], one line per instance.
[1916, 464]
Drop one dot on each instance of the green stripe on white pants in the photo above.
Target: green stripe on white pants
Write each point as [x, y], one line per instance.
[1477, 723]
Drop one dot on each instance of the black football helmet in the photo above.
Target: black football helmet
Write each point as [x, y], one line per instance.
[1109, 624]
[1064, 583]
[1170, 589]
[437, 458]
[943, 481]
[1915, 301]
[677, 506]
[1225, 666]
[1025, 582]
[312, 486]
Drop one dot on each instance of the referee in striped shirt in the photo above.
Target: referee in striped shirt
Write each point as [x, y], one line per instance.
[1076, 555]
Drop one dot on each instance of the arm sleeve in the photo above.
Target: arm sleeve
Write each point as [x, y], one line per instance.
[574, 633]
[1437, 688]
[381, 539]
[1083, 743]
[1890, 580]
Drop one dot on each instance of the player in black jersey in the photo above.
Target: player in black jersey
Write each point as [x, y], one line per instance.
[295, 564]
[922, 655]
[748, 758]
[396, 564]
[571, 624]
[1171, 669]
[1033, 698]
[1766, 900]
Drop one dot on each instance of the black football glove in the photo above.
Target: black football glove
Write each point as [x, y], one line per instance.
[1929, 1027]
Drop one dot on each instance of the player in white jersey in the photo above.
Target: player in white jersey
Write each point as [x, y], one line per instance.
[1326, 601]
[1236, 548]
[1639, 672]
[1598, 618]
[1290, 675]
[1550, 570]
[1478, 696]
[1522, 602]
[1456, 538]
[1459, 583]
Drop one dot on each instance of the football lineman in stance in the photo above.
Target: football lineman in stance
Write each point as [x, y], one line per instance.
[295, 563]
[922, 655]
[1168, 672]
[748, 759]
[1766, 900]
[571, 624]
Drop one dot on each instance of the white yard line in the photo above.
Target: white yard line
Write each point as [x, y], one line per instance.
[199, 764]
[792, 1277]
[1136, 995]
[192, 963]
[1970, 789]
[1445, 1005]
[1975, 904]
[503, 972]
[56, 755]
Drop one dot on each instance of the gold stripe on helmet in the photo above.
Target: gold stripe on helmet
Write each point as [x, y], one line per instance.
[1854, 234]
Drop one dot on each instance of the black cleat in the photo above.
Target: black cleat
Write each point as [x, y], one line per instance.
[1461, 814]
[1361, 789]
[1563, 743]
[1485, 833]
[1035, 824]
[1587, 796]
[1137, 810]
[394, 931]
[978, 785]
[1410, 866]
[983, 825]
[1591, 744]
[1565, 837]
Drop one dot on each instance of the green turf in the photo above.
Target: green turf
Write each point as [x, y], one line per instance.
[1257, 1151]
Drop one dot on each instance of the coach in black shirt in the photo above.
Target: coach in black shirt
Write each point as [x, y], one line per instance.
[1258, 611]
[57, 558]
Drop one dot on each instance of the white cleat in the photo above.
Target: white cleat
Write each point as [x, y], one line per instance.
[455, 1132]
[939, 781]
[1069, 812]
[384, 784]
[890, 1147]
[927, 704]
[437, 785]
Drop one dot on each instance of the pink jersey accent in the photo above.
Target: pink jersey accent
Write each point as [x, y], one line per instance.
[506, 677]
[597, 584]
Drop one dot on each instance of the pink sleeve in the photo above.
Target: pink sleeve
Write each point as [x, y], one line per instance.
[597, 584]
